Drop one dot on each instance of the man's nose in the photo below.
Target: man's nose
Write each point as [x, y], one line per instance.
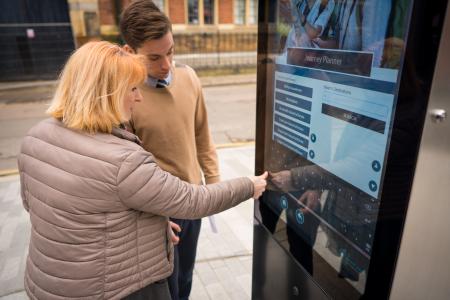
[167, 61]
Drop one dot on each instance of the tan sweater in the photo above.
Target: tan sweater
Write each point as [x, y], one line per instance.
[172, 123]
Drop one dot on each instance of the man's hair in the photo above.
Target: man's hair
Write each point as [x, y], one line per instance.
[143, 21]
[92, 87]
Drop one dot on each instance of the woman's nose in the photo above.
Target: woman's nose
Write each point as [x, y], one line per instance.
[138, 96]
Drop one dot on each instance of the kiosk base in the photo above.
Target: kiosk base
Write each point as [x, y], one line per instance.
[276, 275]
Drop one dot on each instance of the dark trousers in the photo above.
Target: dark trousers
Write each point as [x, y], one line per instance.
[157, 290]
[180, 282]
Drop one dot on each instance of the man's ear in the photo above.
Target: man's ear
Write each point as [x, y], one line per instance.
[128, 49]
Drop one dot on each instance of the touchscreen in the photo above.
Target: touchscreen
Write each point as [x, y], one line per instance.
[331, 101]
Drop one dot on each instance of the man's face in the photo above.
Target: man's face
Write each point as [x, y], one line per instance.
[158, 54]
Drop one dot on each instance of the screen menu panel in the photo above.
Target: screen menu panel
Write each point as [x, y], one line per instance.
[339, 122]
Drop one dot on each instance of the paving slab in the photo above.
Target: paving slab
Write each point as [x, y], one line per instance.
[223, 268]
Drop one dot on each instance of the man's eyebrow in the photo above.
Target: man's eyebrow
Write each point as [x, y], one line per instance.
[158, 55]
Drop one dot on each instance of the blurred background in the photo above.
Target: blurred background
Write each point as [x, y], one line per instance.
[215, 37]
[36, 37]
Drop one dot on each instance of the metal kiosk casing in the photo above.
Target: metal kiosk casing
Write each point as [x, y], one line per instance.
[340, 117]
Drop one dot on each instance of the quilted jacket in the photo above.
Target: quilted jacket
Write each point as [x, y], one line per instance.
[99, 208]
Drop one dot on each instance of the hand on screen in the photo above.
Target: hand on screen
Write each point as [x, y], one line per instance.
[324, 44]
[173, 236]
[259, 184]
[283, 180]
[310, 199]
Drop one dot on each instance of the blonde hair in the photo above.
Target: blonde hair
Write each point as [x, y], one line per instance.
[93, 85]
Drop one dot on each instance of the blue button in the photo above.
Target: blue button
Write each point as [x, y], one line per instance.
[373, 186]
[311, 154]
[299, 216]
[313, 138]
[376, 166]
[283, 202]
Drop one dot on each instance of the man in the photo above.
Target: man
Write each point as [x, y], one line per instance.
[171, 121]
[309, 20]
[360, 25]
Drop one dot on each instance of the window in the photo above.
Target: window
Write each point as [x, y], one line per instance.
[253, 13]
[208, 11]
[244, 15]
[193, 11]
[239, 12]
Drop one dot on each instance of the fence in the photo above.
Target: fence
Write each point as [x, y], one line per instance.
[216, 50]
[42, 56]
[35, 39]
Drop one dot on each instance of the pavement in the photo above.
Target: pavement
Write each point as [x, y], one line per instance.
[30, 91]
[230, 100]
[223, 269]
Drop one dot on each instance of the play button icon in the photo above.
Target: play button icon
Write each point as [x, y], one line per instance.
[283, 202]
[376, 166]
[299, 216]
[373, 186]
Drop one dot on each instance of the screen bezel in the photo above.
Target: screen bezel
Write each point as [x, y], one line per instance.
[425, 27]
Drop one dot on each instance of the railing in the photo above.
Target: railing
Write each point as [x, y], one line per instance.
[34, 51]
[216, 49]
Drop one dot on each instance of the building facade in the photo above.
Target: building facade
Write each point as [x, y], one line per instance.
[230, 25]
[38, 36]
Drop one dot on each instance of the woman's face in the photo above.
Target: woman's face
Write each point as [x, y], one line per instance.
[132, 96]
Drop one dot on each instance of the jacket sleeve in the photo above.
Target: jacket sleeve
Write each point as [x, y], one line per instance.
[206, 151]
[22, 185]
[143, 186]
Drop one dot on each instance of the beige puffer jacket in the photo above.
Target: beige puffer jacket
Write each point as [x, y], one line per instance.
[99, 208]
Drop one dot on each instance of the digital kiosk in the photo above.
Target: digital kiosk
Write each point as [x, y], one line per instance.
[343, 91]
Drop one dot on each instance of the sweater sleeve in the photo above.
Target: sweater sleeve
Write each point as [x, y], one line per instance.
[143, 186]
[206, 151]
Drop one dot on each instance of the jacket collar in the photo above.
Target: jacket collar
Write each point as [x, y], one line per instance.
[123, 134]
[116, 131]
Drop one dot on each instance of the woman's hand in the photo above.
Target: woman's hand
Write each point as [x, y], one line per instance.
[173, 236]
[282, 180]
[311, 200]
[259, 184]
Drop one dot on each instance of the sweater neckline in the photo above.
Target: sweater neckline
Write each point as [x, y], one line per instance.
[163, 89]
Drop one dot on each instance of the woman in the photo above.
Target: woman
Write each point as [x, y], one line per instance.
[98, 203]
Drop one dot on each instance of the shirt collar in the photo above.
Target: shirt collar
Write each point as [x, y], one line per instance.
[152, 82]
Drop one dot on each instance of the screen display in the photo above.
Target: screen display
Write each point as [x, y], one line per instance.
[331, 93]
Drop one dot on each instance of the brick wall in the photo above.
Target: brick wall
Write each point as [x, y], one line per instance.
[225, 11]
[213, 42]
[177, 11]
[106, 10]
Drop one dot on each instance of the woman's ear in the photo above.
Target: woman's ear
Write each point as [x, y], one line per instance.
[128, 49]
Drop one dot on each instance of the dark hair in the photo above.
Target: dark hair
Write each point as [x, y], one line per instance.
[143, 21]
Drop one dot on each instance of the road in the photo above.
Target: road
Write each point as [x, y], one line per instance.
[231, 118]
